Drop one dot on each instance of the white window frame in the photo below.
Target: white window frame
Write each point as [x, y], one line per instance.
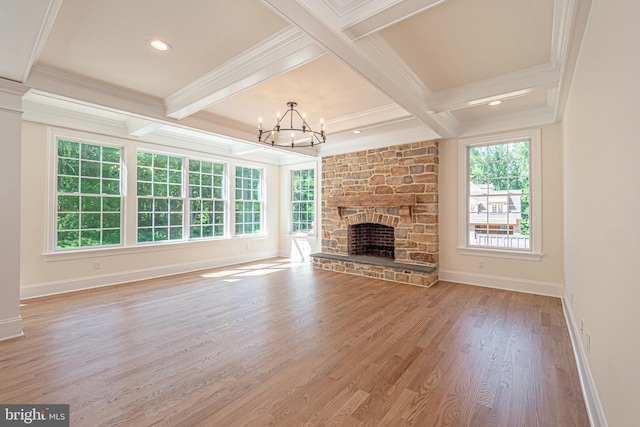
[290, 200]
[262, 200]
[53, 136]
[183, 198]
[225, 198]
[128, 241]
[534, 253]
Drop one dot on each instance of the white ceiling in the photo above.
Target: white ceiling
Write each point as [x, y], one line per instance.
[396, 70]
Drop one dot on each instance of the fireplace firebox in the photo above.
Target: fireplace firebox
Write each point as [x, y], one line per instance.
[371, 239]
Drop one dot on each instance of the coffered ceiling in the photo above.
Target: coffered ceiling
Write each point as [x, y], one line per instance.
[397, 71]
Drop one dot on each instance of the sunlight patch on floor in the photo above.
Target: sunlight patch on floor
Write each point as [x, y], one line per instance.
[253, 270]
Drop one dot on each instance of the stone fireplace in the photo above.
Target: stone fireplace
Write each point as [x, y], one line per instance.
[389, 197]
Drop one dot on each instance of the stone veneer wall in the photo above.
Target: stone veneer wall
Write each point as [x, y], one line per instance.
[401, 169]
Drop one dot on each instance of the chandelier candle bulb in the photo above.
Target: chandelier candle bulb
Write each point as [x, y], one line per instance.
[260, 124]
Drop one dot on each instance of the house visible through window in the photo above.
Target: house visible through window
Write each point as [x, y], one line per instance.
[88, 196]
[498, 193]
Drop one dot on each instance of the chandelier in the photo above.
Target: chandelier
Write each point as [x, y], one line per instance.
[307, 137]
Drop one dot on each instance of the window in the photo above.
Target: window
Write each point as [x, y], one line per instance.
[88, 196]
[302, 200]
[248, 200]
[178, 195]
[500, 198]
[206, 199]
[160, 203]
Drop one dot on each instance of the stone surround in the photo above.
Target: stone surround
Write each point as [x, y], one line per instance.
[361, 187]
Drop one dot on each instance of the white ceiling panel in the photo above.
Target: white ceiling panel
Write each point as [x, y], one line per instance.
[463, 41]
[324, 88]
[109, 40]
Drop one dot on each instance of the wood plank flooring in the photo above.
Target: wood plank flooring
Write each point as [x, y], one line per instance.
[275, 343]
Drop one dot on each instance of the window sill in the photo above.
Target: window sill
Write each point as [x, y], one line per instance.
[137, 249]
[499, 253]
[301, 235]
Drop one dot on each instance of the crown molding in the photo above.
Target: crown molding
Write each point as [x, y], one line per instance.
[533, 117]
[11, 94]
[53, 116]
[573, 20]
[140, 127]
[560, 34]
[381, 139]
[88, 92]
[385, 114]
[91, 92]
[13, 88]
[167, 135]
[542, 77]
[280, 53]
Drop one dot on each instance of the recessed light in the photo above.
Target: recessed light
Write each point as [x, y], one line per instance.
[160, 45]
[496, 102]
[357, 131]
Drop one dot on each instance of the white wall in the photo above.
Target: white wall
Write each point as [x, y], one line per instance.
[10, 123]
[42, 274]
[543, 277]
[602, 204]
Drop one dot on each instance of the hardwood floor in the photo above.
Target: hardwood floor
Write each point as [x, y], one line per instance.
[282, 344]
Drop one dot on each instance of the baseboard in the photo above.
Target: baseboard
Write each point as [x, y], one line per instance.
[506, 283]
[589, 391]
[11, 328]
[81, 283]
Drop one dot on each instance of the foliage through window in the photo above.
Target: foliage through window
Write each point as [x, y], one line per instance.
[302, 200]
[206, 199]
[88, 196]
[499, 195]
[177, 197]
[160, 202]
[248, 200]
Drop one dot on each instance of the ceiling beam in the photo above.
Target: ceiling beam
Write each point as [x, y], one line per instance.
[284, 51]
[320, 22]
[373, 16]
[24, 28]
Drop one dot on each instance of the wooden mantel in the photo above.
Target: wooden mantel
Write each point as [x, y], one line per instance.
[404, 202]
